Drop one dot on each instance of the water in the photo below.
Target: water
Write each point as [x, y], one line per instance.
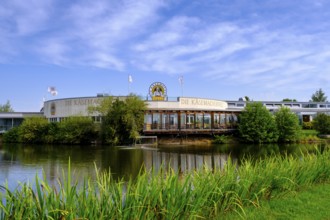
[21, 163]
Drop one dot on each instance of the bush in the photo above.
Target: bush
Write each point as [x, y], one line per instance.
[75, 130]
[33, 130]
[257, 124]
[308, 125]
[287, 124]
[321, 123]
[11, 136]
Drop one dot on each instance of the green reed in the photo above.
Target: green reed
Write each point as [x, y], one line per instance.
[166, 194]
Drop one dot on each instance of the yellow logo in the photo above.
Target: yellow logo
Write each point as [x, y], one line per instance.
[157, 91]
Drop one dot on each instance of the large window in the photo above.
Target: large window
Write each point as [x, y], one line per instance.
[147, 121]
[199, 121]
[207, 121]
[173, 121]
[183, 120]
[190, 121]
[165, 122]
[156, 121]
[216, 121]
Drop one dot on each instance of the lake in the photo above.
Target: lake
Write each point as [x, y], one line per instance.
[21, 163]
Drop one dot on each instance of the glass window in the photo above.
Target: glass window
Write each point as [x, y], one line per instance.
[199, 120]
[147, 121]
[174, 121]
[190, 121]
[155, 121]
[183, 120]
[165, 121]
[207, 121]
[222, 120]
[216, 120]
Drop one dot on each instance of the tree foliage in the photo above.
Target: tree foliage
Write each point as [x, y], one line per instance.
[319, 96]
[289, 100]
[6, 107]
[321, 123]
[123, 121]
[257, 124]
[287, 124]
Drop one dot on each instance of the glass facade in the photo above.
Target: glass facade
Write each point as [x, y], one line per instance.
[189, 120]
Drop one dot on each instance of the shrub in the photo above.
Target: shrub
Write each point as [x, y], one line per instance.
[11, 136]
[307, 125]
[33, 130]
[287, 124]
[76, 130]
[257, 124]
[321, 123]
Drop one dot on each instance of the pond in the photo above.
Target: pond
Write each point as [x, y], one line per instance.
[21, 163]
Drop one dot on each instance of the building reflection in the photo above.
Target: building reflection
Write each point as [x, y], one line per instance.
[184, 162]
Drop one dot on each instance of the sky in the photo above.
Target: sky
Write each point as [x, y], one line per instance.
[224, 49]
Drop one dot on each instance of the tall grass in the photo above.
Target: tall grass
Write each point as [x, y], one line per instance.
[166, 195]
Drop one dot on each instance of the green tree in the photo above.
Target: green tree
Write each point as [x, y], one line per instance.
[6, 107]
[33, 130]
[103, 108]
[123, 121]
[321, 123]
[257, 124]
[287, 124]
[319, 96]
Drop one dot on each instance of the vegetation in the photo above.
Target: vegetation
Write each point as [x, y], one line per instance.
[73, 130]
[6, 107]
[287, 124]
[33, 130]
[308, 136]
[220, 139]
[289, 100]
[200, 194]
[123, 120]
[307, 125]
[296, 205]
[257, 124]
[319, 96]
[321, 123]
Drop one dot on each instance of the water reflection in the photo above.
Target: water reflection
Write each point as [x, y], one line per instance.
[20, 163]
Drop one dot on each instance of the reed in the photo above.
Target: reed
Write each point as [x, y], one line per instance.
[198, 194]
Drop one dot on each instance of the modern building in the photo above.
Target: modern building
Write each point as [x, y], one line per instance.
[182, 115]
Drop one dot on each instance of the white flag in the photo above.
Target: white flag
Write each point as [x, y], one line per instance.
[181, 80]
[52, 90]
[130, 79]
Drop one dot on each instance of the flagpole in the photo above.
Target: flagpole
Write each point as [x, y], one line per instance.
[181, 84]
[130, 80]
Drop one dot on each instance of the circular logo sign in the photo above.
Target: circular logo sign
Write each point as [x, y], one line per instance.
[157, 91]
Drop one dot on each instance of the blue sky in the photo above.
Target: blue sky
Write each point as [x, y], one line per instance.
[264, 49]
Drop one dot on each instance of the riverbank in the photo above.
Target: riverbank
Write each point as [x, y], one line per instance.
[204, 193]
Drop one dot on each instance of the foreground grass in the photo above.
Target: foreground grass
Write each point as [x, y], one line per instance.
[203, 194]
[311, 202]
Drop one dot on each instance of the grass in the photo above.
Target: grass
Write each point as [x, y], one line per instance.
[202, 194]
[312, 202]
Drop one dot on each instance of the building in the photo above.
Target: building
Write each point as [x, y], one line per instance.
[182, 115]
